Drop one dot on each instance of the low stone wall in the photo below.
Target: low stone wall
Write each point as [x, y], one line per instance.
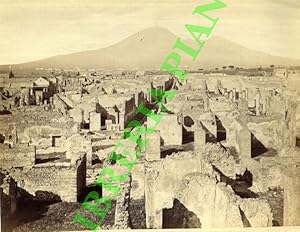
[65, 180]
[20, 155]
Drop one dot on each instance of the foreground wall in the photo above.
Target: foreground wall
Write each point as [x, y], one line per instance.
[65, 180]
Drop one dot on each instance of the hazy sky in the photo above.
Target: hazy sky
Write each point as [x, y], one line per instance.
[34, 29]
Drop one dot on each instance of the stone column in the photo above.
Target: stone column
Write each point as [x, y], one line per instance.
[21, 101]
[27, 97]
[51, 100]
[206, 103]
[149, 97]
[264, 106]
[257, 103]
[37, 100]
[153, 212]
[243, 94]
[217, 89]
[95, 121]
[234, 94]
[230, 94]
[121, 120]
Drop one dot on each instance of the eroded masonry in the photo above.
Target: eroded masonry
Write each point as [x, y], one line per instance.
[226, 153]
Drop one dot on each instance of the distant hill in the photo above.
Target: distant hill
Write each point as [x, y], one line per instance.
[148, 48]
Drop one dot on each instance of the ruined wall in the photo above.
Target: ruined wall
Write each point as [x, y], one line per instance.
[81, 173]
[77, 115]
[137, 190]
[20, 155]
[187, 177]
[8, 188]
[161, 179]
[209, 122]
[53, 178]
[130, 109]
[76, 144]
[266, 172]
[221, 159]
[59, 104]
[170, 129]
[277, 104]
[239, 137]
[95, 121]
[269, 133]
[153, 146]
[220, 104]
[291, 196]
[40, 136]
[199, 137]
[217, 206]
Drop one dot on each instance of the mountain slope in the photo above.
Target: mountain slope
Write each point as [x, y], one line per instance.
[147, 50]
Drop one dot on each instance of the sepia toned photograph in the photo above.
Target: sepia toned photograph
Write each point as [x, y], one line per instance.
[149, 115]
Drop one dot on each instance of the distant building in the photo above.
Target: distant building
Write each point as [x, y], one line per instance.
[280, 72]
[140, 73]
[43, 89]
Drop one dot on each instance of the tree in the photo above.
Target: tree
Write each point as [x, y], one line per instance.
[224, 67]
[231, 66]
[272, 66]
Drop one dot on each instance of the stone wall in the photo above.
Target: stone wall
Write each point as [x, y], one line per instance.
[95, 121]
[199, 137]
[170, 130]
[41, 136]
[130, 109]
[238, 136]
[137, 190]
[66, 181]
[76, 144]
[216, 206]
[269, 133]
[8, 188]
[20, 155]
[153, 146]
[266, 172]
[291, 197]
[161, 181]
